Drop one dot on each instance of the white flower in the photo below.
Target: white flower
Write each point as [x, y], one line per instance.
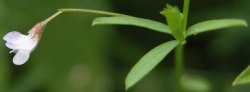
[23, 45]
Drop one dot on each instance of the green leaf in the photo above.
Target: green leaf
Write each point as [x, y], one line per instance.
[215, 24]
[175, 21]
[134, 21]
[243, 78]
[148, 62]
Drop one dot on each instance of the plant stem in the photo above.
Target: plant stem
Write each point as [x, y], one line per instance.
[185, 12]
[60, 11]
[179, 55]
[90, 11]
[51, 17]
[179, 65]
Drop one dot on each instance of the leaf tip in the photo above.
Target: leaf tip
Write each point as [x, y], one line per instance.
[93, 23]
[245, 24]
[243, 77]
[127, 88]
[130, 82]
[234, 83]
[128, 85]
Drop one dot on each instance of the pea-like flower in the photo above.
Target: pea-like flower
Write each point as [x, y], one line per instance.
[22, 45]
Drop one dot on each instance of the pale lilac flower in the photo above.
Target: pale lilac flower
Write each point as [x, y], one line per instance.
[22, 45]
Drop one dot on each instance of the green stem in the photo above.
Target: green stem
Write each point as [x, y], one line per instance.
[185, 12]
[179, 65]
[90, 11]
[60, 11]
[179, 55]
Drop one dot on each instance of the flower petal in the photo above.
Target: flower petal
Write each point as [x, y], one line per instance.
[12, 46]
[14, 37]
[21, 57]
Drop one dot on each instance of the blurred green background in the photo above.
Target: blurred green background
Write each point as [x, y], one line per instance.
[72, 56]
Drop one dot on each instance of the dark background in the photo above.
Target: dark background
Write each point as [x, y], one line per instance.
[73, 56]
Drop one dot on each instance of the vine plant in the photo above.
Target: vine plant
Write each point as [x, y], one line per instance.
[23, 45]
